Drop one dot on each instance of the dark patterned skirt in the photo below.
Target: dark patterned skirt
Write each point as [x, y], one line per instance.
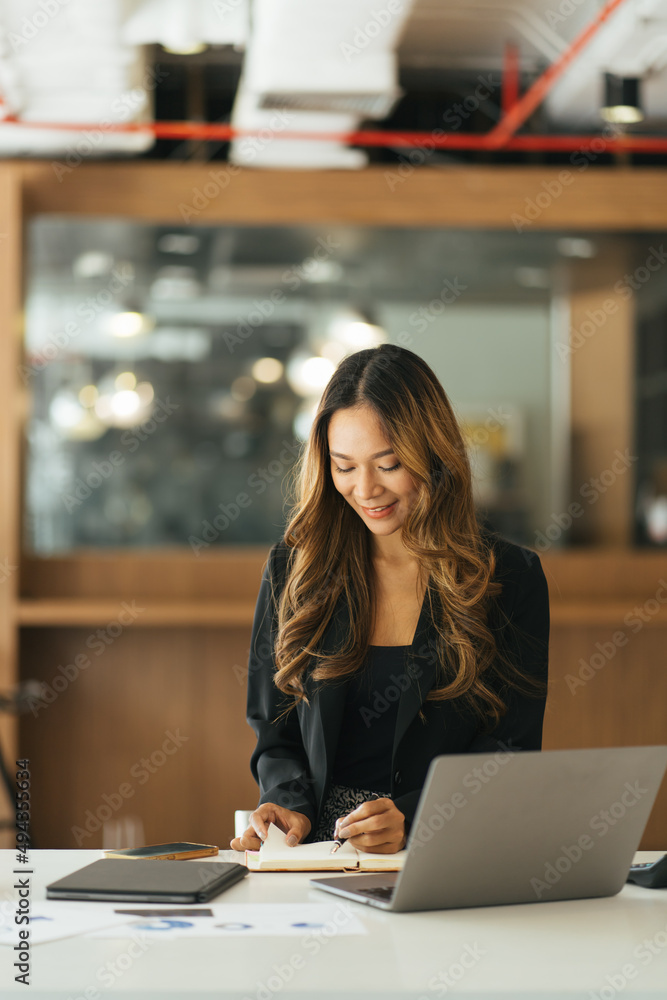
[339, 802]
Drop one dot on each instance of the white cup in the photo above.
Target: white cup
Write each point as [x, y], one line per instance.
[241, 821]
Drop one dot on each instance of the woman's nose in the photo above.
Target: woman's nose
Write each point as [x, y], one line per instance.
[366, 486]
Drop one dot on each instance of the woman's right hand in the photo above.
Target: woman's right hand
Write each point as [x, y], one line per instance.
[294, 825]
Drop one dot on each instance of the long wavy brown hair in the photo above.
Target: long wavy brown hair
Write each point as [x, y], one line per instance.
[331, 546]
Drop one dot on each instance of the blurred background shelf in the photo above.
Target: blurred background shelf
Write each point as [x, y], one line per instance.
[68, 612]
[239, 614]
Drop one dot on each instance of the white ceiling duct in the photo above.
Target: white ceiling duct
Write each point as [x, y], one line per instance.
[315, 68]
[64, 61]
[185, 25]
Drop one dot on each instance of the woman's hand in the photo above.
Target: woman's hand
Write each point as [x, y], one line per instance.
[376, 826]
[294, 824]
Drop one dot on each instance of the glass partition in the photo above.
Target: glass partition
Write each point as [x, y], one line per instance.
[174, 370]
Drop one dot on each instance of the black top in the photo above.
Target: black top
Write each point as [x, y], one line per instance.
[366, 740]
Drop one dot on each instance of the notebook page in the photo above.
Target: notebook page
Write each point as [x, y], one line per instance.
[368, 861]
[275, 851]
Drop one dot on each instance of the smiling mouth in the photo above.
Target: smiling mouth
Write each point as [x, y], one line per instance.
[375, 510]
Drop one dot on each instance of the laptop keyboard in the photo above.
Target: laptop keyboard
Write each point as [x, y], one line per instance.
[383, 892]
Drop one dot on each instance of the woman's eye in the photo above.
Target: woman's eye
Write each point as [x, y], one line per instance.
[381, 468]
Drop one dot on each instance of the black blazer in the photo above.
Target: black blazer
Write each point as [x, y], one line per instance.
[294, 756]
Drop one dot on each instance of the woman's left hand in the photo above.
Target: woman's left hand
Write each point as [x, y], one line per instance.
[376, 826]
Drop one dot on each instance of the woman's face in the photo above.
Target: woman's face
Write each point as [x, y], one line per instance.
[367, 472]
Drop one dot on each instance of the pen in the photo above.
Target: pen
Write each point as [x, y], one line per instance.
[338, 843]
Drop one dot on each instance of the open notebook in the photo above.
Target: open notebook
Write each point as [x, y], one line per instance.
[276, 856]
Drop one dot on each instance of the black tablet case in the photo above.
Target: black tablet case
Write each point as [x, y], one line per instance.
[111, 879]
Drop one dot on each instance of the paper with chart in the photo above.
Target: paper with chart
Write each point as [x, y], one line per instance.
[243, 920]
[51, 920]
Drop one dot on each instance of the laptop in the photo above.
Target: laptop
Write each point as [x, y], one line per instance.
[519, 827]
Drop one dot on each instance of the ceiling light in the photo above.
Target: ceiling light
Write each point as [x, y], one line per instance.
[182, 243]
[145, 392]
[308, 375]
[124, 407]
[129, 324]
[267, 370]
[125, 403]
[573, 246]
[175, 282]
[65, 410]
[92, 264]
[191, 49]
[88, 394]
[622, 103]
[73, 420]
[126, 380]
[322, 271]
[357, 329]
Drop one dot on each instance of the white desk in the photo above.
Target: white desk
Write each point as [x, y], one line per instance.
[542, 950]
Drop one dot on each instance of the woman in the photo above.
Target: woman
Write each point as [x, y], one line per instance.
[390, 626]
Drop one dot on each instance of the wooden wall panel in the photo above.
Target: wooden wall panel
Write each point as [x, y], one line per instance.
[232, 573]
[116, 713]
[602, 420]
[10, 284]
[604, 695]
[91, 740]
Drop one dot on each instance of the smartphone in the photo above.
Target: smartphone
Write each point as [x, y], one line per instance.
[165, 852]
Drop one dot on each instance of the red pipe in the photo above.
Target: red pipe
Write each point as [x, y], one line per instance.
[509, 95]
[424, 140]
[535, 94]
[516, 109]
